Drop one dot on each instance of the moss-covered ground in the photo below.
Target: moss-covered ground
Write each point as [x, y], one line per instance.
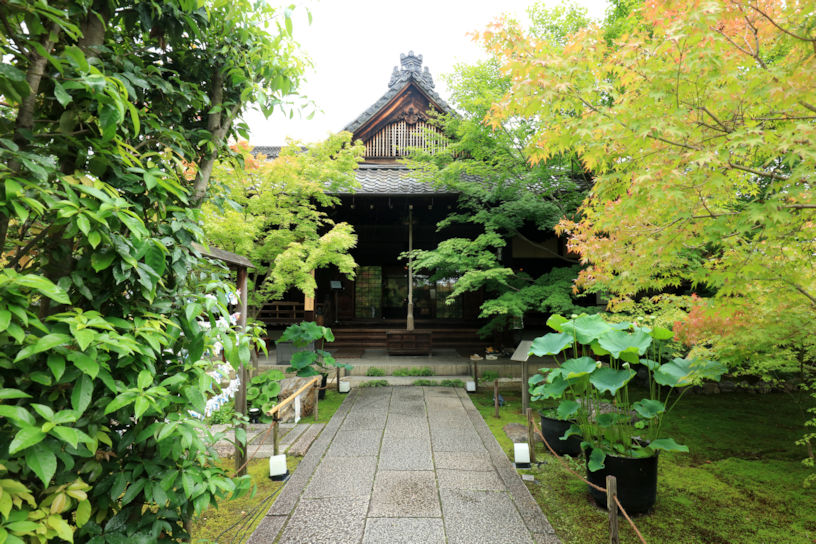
[742, 481]
[227, 512]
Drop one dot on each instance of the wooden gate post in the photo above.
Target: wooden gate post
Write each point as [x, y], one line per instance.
[496, 397]
[531, 441]
[612, 507]
[317, 397]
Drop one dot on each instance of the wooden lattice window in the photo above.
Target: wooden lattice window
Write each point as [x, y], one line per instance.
[395, 139]
[368, 293]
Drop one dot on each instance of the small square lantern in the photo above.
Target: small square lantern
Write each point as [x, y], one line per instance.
[277, 467]
[470, 386]
[521, 454]
[344, 386]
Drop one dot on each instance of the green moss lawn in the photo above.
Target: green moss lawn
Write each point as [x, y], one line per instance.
[740, 483]
[218, 518]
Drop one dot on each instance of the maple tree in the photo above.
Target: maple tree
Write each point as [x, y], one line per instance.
[274, 212]
[502, 194]
[699, 123]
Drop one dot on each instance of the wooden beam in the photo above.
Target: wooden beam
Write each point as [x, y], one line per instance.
[233, 260]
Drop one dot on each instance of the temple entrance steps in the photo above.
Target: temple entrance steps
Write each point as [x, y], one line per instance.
[377, 337]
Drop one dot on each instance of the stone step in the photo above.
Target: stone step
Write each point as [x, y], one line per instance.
[301, 445]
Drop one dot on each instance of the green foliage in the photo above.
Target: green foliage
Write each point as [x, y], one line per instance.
[374, 383]
[414, 371]
[275, 212]
[374, 371]
[112, 114]
[226, 414]
[305, 361]
[707, 185]
[452, 383]
[263, 390]
[742, 486]
[488, 376]
[585, 385]
[502, 196]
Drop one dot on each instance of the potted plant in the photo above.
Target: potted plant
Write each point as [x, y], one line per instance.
[262, 394]
[553, 427]
[305, 361]
[620, 434]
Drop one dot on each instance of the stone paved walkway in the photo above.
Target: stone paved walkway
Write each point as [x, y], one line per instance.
[405, 464]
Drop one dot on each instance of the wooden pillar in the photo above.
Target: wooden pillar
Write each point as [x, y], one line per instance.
[316, 399]
[531, 441]
[496, 397]
[525, 393]
[309, 306]
[612, 507]
[240, 397]
[410, 318]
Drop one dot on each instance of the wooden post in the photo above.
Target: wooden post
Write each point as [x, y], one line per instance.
[525, 394]
[338, 379]
[317, 398]
[496, 397]
[612, 507]
[531, 441]
[309, 306]
[275, 423]
[240, 397]
[476, 372]
[409, 322]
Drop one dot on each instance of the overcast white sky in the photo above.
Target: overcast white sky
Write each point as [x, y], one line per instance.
[355, 44]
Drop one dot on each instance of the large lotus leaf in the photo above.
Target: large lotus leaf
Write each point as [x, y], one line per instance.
[535, 379]
[681, 372]
[574, 430]
[567, 409]
[606, 420]
[667, 444]
[649, 363]
[586, 328]
[660, 333]
[649, 408]
[610, 379]
[552, 390]
[630, 357]
[550, 344]
[576, 368]
[596, 460]
[618, 341]
[554, 322]
[302, 359]
[709, 370]
[597, 349]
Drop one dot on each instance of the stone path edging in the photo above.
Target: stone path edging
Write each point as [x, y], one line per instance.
[405, 465]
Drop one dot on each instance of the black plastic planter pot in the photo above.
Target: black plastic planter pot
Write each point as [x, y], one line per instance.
[553, 429]
[322, 393]
[636, 479]
[254, 415]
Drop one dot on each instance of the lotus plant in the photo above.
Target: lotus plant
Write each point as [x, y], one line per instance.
[597, 361]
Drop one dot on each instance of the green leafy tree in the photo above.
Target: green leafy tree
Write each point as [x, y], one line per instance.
[275, 212]
[700, 123]
[112, 113]
[503, 194]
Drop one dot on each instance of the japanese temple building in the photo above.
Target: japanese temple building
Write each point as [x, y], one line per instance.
[391, 213]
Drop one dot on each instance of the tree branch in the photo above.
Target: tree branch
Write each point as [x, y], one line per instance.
[757, 172]
[788, 32]
[546, 249]
[219, 125]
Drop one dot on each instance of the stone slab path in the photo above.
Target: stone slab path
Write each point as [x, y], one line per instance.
[405, 465]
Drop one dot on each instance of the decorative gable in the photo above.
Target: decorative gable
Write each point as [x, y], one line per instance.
[398, 120]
